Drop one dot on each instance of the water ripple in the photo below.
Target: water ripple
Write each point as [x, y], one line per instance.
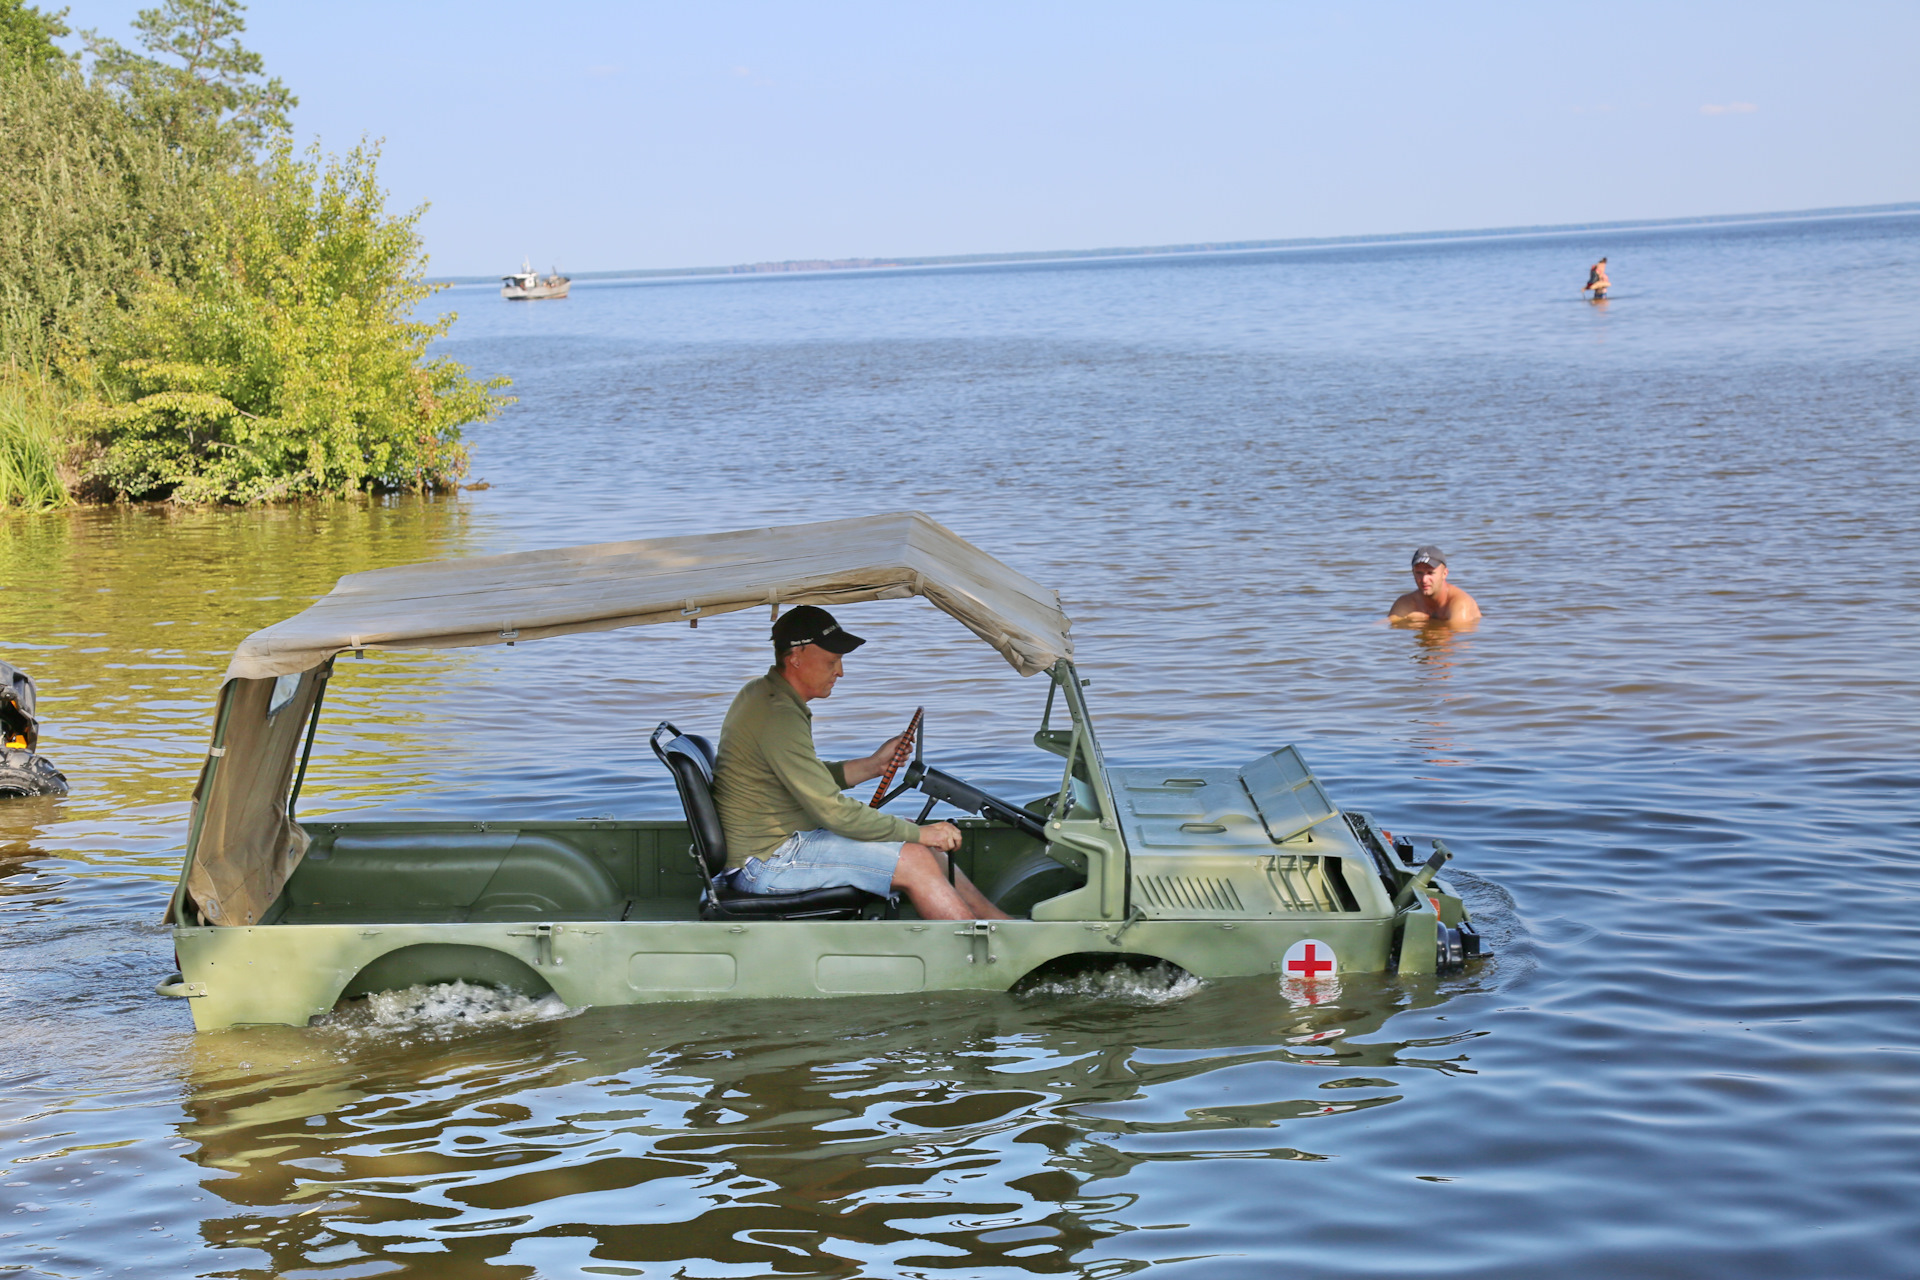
[1676, 761]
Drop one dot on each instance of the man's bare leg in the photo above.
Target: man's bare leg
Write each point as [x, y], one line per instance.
[974, 905]
[922, 875]
[978, 903]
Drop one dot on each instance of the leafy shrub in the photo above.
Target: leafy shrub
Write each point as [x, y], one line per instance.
[232, 326]
[292, 364]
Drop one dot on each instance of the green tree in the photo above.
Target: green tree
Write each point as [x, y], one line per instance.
[93, 206]
[184, 317]
[196, 86]
[292, 364]
[27, 37]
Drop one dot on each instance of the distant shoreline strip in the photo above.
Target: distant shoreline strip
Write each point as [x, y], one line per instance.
[824, 265]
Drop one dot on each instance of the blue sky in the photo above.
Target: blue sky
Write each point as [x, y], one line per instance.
[603, 136]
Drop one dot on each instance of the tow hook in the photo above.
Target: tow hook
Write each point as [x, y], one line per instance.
[177, 988]
[979, 935]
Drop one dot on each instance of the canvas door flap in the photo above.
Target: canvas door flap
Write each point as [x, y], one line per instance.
[247, 846]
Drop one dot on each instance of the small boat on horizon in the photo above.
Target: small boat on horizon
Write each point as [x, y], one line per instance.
[526, 284]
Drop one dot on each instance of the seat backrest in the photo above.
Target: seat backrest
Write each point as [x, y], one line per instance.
[689, 757]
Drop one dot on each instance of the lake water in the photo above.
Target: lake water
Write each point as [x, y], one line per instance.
[1677, 761]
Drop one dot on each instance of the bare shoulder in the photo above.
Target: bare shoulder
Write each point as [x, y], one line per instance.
[1409, 607]
[1463, 607]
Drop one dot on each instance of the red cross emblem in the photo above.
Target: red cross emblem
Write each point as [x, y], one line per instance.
[1309, 960]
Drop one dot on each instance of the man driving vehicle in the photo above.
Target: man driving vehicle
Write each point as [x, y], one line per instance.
[788, 826]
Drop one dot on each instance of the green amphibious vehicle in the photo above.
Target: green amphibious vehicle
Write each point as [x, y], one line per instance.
[1221, 872]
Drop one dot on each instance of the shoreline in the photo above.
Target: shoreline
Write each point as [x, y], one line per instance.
[827, 266]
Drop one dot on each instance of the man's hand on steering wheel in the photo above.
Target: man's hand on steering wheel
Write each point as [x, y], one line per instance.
[884, 755]
[867, 768]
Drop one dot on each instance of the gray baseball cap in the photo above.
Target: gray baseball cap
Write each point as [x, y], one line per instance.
[1429, 555]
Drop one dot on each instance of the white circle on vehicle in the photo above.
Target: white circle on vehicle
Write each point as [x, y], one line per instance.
[1309, 960]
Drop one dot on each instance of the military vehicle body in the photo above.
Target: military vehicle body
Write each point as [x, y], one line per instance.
[1222, 872]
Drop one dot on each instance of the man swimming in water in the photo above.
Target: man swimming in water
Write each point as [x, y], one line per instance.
[788, 827]
[1597, 280]
[1433, 599]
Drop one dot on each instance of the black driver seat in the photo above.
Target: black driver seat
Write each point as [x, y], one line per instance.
[690, 758]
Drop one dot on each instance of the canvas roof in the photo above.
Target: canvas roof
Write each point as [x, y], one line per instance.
[531, 594]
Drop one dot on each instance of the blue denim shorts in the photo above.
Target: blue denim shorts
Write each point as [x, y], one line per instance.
[821, 860]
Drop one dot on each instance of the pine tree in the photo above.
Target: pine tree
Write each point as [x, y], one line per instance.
[196, 86]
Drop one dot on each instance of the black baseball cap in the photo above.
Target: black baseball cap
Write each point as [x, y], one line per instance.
[810, 624]
[1429, 555]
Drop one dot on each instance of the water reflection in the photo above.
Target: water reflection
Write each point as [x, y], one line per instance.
[1439, 645]
[953, 1133]
[1438, 648]
[22, 818]
[133, 614]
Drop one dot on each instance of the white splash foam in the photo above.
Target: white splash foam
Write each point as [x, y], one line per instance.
[446, 1008]
[1160, 984]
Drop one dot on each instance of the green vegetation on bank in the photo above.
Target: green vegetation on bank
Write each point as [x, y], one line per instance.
[191, 310]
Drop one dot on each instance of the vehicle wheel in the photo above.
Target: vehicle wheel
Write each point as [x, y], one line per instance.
[22, 773]
[1032, 879]
[1449, 952]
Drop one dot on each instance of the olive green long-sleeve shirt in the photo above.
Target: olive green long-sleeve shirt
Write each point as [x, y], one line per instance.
[768, 781]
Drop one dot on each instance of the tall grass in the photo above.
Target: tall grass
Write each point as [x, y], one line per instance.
[30, 449]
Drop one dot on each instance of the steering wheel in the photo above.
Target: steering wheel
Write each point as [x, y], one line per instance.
[909, 741]
[938, 785]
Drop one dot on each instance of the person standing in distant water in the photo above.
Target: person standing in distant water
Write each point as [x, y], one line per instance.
[1433, 599]
[1597, 280]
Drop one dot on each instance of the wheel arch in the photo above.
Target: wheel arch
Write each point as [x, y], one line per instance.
[428, 962]
[1086, 972]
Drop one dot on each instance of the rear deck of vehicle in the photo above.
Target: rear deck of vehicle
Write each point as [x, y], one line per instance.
[480, 872]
